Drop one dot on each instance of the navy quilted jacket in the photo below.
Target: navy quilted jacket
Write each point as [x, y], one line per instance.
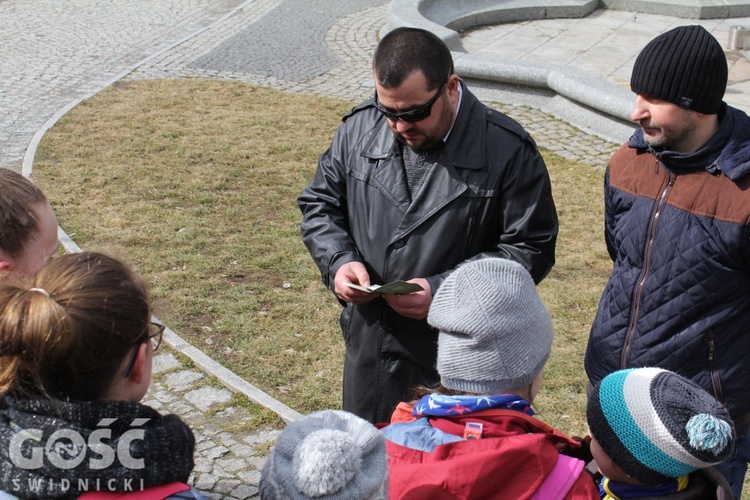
[678, 231]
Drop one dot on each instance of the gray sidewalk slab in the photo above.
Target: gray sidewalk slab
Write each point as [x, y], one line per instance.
[228, 460]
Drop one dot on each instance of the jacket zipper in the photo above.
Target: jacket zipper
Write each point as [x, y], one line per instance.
[713, 366]
[647, 254]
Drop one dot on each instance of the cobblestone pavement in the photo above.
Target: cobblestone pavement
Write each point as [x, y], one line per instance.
[351, 41]
[57, 53]
[227, 461]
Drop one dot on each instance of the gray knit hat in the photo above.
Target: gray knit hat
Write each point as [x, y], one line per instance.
[685, 66]
[329, 454]
[495, 333]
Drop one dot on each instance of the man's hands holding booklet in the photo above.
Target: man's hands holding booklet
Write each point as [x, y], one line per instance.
[352, 284]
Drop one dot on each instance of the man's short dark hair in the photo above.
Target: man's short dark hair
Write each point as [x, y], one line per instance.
[405, 50]
[18, 222]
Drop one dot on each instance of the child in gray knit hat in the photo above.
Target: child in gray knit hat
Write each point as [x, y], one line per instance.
[657, 434]
[330, 454]
[476, 437]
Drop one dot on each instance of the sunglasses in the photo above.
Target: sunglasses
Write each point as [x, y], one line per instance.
[414, 115]
[154, 331]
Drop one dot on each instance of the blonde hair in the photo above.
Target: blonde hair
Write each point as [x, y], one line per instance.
[65, 332]
[18, 221]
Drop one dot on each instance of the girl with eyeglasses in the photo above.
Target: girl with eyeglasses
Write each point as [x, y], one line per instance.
[76, 352]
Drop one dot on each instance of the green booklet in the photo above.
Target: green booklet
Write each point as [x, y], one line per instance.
[397, 286]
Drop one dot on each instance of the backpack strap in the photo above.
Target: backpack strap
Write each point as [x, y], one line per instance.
[561, 479]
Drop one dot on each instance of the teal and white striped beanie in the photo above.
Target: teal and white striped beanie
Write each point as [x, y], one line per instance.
[657, 425]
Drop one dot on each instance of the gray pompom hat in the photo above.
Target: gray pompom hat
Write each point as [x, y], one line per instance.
[330, 454]
[495, 332]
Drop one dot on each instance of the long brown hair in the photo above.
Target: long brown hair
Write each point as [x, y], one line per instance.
[65, 332]
[19, 222]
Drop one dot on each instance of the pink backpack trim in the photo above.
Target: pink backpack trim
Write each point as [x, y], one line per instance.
[560, 480]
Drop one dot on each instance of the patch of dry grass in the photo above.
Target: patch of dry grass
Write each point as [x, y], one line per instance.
[572, 289]
[197, 180]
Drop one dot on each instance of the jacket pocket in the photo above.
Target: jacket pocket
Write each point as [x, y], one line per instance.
[713, 366]
[482, 210]
[360, 175]
[345, 322]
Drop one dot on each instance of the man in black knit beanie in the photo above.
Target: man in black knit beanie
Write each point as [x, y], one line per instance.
[677, 227]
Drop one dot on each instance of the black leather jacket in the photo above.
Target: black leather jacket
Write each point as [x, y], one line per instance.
[489, 196]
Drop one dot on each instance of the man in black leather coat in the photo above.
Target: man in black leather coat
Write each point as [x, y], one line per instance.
[418, 180]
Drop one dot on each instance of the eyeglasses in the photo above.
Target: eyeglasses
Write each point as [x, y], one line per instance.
[414, 115]
[153, 334]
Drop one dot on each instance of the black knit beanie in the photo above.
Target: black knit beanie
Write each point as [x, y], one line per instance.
[685, 66]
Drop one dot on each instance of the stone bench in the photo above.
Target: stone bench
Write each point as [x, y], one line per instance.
[446, 18]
